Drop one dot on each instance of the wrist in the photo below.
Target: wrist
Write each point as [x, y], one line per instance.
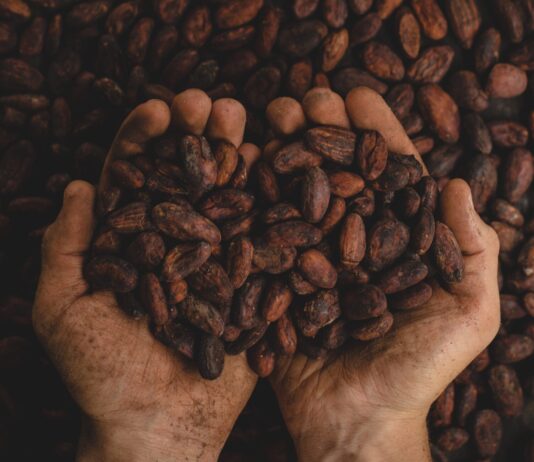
[381, 438]
[140, 443]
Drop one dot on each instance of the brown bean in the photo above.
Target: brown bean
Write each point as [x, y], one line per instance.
[315, 194]
[317, 269]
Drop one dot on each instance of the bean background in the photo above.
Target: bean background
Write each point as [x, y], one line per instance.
[70, 71]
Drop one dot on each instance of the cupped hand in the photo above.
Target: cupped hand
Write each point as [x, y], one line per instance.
[369, 403]
[139, 400]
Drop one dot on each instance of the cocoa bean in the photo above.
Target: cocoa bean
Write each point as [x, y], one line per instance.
[432, 65]
[111, 273]
[345, 184]
[334, 335]
[482, 178]
[18, 76]
[511, 19]
[284, 335]
[400, 99]
[363, 302]
[247, 339]
[333, 143]
[280, 212]
[423, 232]
[431, 17]
[487, 432]
[477, 133]
[153, 298]
[239, 260]
[407, 203]
[199, 163]
[512, 348]
[365, 29]
[464, 19]
[146, 250]
[352, 241]
[178, 223]
[299, 39]
[452, 439]
[176, 290]
[506, 81]
[371, 329]
[440, 112]
[202, 314]
[346, 79]
[317, 269]
[184, 259]
[131, 218]
[382, 62]
[212, 282]
[293, 233]
[236, 13]
[371, 154]
[409, 32]
[466, 401]
[387, 241]
[518, 174]
[506, 390]
[333, 49]
[333, 216]
[261, 358]
[322, 309]
[226, 203]
[412, 297]
[509, 237]
[227, 158]
[210, 356]
[274, 258]
[402, 276]
[504, 211]
[267, 182]
[246, 309]
[467, 92]
[507, 134]
[511, 307]
[447, 254]
[315, 194]
[442, 409]
[277, 300]
[295, 157]
[487, 49]
[180, 337]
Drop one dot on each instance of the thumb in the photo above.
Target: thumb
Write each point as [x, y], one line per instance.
[477, 240]
[66, 242]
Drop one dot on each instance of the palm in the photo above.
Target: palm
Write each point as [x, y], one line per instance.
[402, 372]
[111, 362]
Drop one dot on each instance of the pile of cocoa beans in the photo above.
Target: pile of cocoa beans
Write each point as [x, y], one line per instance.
[71, 70]
[327, 235]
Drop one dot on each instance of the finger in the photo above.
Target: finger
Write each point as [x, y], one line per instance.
[146, 121]
[251, 153]
[477, 240]
[227, 121]
[322, 106]
[294, 369]
[285, 116]
[66, 242]
[367, 110]
[271, 148]
[190, 111]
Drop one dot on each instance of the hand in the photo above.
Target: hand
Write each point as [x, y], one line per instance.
[139, 400]
[369, 403]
